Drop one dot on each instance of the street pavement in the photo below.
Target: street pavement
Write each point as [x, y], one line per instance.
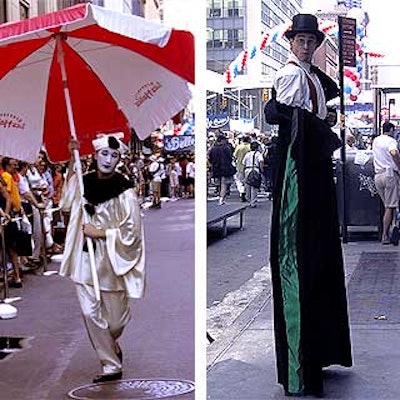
[158, 343]
[241, 360]
[234, 259]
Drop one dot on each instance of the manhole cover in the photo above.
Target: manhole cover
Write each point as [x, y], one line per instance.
[10, 345]
[133, 389]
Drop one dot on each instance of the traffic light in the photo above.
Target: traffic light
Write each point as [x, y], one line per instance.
[265, 95]
[224, 102]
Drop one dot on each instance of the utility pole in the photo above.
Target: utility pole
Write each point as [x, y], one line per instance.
[239, 109]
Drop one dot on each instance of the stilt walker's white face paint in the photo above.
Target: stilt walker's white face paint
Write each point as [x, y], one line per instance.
[107, 160]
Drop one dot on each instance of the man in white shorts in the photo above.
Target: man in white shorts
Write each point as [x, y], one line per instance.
[387, 177]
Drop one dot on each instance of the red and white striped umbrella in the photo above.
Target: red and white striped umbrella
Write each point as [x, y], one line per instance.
[85, 70]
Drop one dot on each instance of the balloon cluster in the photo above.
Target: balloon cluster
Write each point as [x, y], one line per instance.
[246, 55]
[352, 84]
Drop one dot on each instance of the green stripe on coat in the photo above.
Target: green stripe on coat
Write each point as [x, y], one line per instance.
[289, 272]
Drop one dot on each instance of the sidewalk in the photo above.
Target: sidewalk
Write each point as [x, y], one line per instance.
[241, 362]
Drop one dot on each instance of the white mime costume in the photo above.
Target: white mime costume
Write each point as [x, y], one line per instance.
[119, 258]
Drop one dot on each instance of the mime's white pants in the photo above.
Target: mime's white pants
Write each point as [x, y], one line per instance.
[105, 322]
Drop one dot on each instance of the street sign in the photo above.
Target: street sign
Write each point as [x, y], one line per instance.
[347, 58]
[218, 121]
[347, 36]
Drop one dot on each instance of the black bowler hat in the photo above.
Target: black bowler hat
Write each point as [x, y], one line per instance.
[305, 23]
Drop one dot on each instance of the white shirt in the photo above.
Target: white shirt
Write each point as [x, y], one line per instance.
[23, 186]
[381, 147]
[157, 169]
[292, 87]
[190, 169]
[178, 169]
[248, 161]
[36, 180]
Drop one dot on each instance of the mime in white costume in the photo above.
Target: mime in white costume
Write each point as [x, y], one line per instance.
[117, 232]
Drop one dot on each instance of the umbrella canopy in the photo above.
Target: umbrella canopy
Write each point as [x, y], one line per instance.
[121, 71]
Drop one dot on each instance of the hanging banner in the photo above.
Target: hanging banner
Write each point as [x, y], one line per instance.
[179, 143]
[218, 121]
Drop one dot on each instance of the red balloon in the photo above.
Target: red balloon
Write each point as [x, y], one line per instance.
[353, 77]
[348, 73]
[358, 83]
[353, 98]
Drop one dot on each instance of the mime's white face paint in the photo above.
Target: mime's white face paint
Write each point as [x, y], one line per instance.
[107, 160]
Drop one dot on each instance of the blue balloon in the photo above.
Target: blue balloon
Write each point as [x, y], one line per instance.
[347, 89]
[359, 68]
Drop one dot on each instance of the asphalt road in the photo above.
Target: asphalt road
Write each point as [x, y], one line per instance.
[157, 343]
[233, 260]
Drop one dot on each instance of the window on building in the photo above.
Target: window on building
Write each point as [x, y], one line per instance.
[235, 38]
[233, 12]
[23, 9]
[234, 8]
[216, 8]
[209, 37]
[70, 3]
[3, 14]
[218, 38]
[215, 12]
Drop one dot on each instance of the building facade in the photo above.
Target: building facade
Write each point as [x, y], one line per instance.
[14, 10]
[234, 25]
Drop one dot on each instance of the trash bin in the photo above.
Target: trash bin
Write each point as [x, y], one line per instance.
[362, 202]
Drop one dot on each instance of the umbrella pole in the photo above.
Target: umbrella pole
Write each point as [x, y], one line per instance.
[3, 256]
[7, 311]
[43, 246]
[78, 165]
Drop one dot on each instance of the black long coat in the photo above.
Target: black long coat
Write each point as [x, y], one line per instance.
[221, 158]
[310, 305]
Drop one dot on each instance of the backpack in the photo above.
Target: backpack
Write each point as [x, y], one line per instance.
[254, 177]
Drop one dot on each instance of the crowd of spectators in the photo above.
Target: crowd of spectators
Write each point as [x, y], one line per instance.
[228, 164]
[32, 224]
